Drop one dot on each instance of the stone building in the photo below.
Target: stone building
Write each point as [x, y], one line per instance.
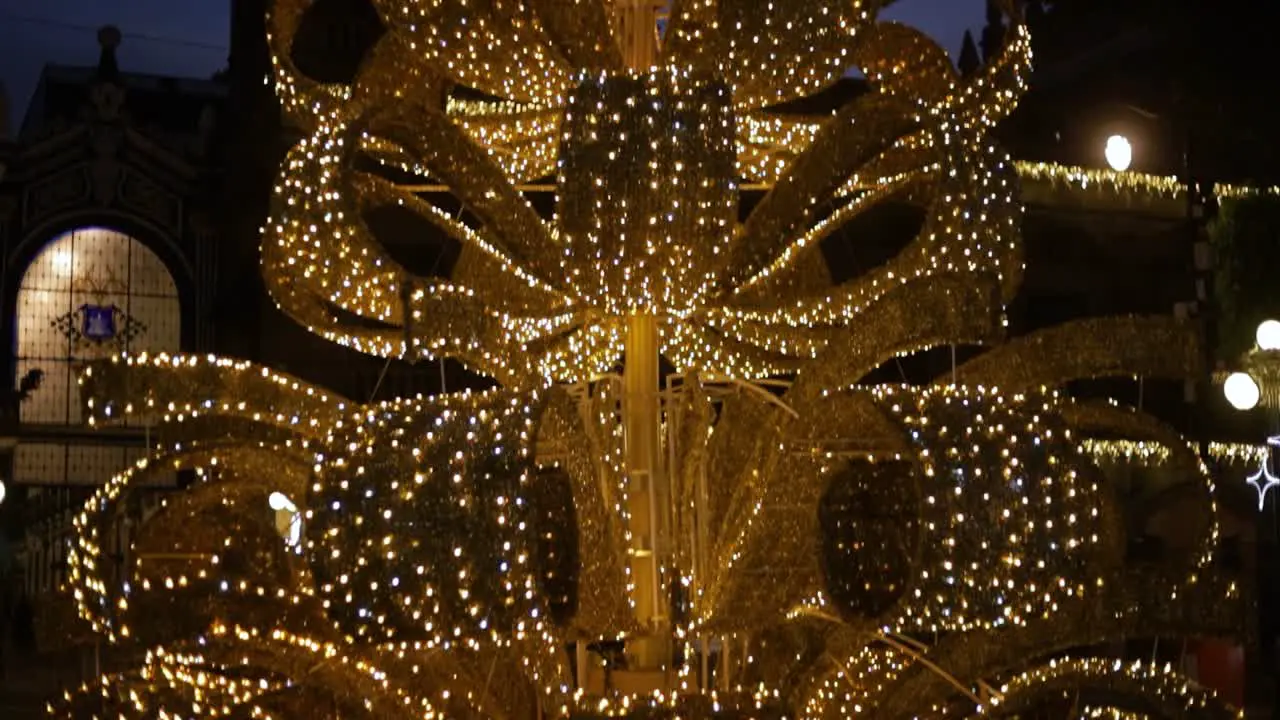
[107, 207]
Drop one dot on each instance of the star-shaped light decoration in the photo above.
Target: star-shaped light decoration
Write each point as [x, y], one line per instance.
[1263, 481]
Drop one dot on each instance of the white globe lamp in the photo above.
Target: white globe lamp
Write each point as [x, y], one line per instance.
[1241, 391]
[1268, 335]
[2, 491]
[1119, 153]
[279, 501]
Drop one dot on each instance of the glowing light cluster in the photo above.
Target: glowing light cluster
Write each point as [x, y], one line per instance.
[988, 556]
[802, 525]
[1127, 181]
[1146, 684]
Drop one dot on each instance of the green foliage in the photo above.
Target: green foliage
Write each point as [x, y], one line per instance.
[1246, 247]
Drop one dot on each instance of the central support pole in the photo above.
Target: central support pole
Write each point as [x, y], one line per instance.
[636, 28]
[649, 653]
[642, 417]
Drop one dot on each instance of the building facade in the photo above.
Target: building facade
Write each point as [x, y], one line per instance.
[107, 205]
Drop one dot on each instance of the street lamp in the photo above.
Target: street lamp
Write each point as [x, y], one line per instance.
[1257, 382]
[1241, 391]
[290, 523]
[279, 501]
[1119, 153]
[1268, 335]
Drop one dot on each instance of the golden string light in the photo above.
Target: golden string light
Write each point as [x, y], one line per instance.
[1151, 685]
[465, 554]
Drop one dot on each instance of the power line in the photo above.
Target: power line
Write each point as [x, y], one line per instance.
[48, 22]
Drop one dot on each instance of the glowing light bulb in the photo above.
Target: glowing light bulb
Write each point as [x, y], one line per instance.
[1268, 335]
[1241, 391]
[1119, 153]
[278, 501]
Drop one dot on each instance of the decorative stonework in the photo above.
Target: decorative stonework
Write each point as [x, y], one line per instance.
[8, 208]
[105, 183]
[200, 227]
[106, 168]
[63, 190]
[146, 197]
[108, 102]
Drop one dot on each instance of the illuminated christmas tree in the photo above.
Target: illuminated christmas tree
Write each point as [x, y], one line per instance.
[754, 532]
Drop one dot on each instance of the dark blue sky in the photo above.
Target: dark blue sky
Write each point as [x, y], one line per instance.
[189, 37]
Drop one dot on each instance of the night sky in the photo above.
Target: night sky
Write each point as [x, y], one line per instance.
[189, 38]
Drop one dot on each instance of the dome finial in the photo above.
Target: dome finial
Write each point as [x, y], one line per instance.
[109, 37]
